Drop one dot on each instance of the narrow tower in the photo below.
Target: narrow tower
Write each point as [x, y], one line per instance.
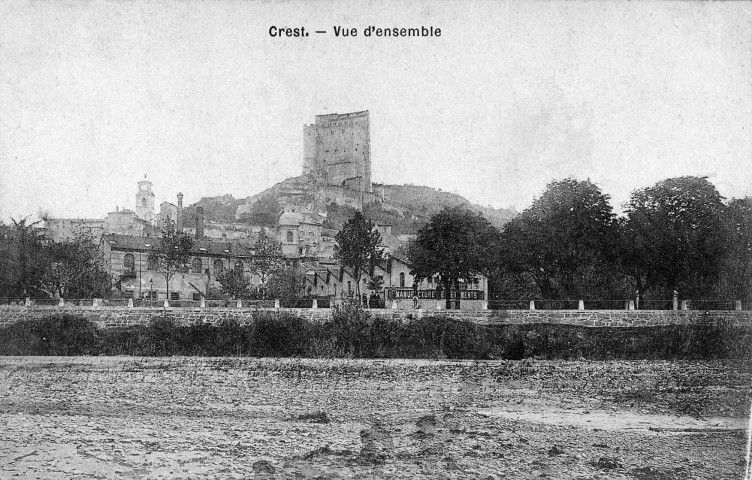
[145, 201]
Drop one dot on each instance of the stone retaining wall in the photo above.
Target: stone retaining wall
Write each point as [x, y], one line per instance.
[124, 316]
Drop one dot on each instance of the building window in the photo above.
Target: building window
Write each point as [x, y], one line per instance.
[430, 280]
[196, 297]
[151, 263]
[402, 279]
[197, 265]
[349, 288]
[239, 266]
[218, 267]
[289, 237]
[129, 264]
[174, 295]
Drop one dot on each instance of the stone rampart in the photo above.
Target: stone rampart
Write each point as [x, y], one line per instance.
[125, 316]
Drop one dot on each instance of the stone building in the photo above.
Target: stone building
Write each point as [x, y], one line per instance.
[66, 229]
[127, 261]
[400, 288]
[337, 150]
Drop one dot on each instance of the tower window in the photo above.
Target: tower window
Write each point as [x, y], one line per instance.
[218, 267]
[402, 279]
[289, 237]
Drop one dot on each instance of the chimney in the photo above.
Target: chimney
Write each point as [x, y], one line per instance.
[199, 223]
[179, 221]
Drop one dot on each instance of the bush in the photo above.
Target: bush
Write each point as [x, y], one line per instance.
[351, 332]
[53, 335]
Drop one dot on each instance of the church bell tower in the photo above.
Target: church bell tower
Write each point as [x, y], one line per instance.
[145, 201]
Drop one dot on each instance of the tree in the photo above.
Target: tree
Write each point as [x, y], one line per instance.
[22, 259]
[565, 241]
[267, 261]
[736, 276]
[674, 237]
[456, 244]
[75, 269]
[171, 254]
[265, 212]
[358, 247]
[287, 285]
[233, 283]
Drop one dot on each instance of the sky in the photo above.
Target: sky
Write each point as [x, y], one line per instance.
[197, 96]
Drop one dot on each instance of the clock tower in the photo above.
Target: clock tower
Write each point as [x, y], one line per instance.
[145, 201]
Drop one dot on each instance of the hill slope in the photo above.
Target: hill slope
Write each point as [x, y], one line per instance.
[407, 207]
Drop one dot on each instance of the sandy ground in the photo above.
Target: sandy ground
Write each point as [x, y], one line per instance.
[124, 417]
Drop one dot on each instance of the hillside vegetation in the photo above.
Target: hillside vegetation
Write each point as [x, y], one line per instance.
[407, 207]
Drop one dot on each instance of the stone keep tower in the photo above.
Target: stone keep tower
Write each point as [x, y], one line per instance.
[337, 150]
[145, 201]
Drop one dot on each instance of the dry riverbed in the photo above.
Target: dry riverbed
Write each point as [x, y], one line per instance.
[125, 417]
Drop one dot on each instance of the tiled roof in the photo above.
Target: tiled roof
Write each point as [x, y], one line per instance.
[200, 247]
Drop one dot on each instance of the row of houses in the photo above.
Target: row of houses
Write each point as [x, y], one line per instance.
[127, 261]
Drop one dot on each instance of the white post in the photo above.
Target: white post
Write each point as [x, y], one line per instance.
[61, 302]
[581, 305]
[239, 303]
[738, 304]
[438, 305]
[27, 302]
[484, 306]
[684, 305]
[676, 300]
[532, 304]
[631, 305]
[276, 304]
[315, 303]
[166, 303]
[95, 302]
[203, 302]
[394, 304]
[130, 303]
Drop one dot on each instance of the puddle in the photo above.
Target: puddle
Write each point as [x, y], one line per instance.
[623, 421]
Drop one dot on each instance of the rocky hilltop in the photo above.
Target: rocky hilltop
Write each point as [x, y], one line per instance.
[407, 207]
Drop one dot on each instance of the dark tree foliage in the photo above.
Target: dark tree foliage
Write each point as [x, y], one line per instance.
[32, 266]
[267, 260]
[357, 246]
[75, 269]
[233, 283]
[456, 244]
[287, 285]
[22, 259]
[674, 238]
[265, 212]
[171, 254]
[565, 242]
[736, 277]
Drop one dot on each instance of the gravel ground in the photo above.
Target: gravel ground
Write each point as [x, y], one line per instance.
[179, 417]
